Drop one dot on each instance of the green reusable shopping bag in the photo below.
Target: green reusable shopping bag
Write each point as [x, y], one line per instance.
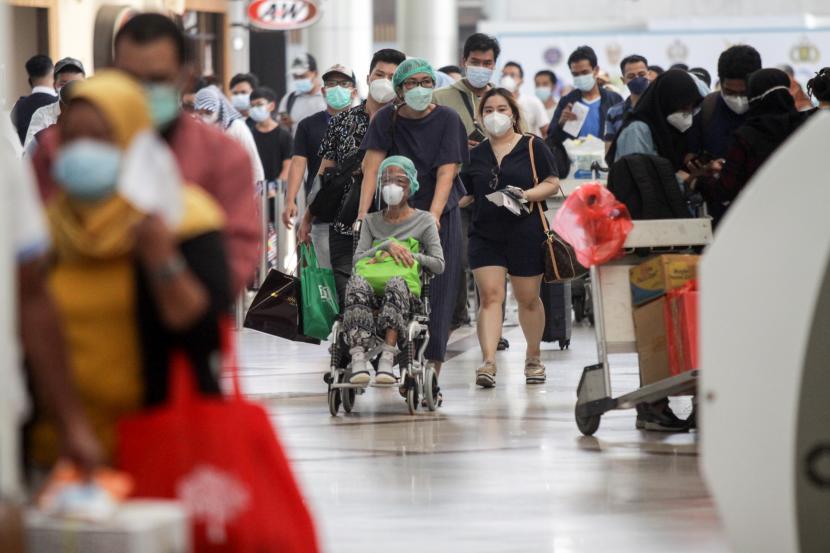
[380, 272]
[318, 295]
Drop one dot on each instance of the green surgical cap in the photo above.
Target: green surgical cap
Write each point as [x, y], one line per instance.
[410, 67]
[408, 167]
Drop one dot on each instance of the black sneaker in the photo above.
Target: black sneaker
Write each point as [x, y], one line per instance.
[659, 418]
[503, 344]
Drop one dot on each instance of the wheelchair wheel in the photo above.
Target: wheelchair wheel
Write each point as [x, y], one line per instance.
[334, 401]
[347, 397]
[431, 389]
[412, 398]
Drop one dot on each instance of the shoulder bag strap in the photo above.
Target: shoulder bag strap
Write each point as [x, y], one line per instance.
[468, 105]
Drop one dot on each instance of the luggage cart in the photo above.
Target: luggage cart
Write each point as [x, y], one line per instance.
[614, 324]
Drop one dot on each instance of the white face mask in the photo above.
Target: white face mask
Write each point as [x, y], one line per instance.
[738, 104]
[767, 93]
[497, 124]
[382, 91]
[479, 76]
[241, 102]
[392, 194]
[681, 120]
[585, 83]
[259, 113]
[509, 83]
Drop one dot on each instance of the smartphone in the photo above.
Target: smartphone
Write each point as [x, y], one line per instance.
[476, 135]
[704, 157]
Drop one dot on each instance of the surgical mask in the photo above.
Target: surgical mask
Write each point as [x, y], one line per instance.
[738, 104]
[681, 120]
[585, 83]
[241, 102]
[338, 97]
[164, 102]
[497, 123]
[259, 114]
[544, 93]
[211, 118]
[392, 194]
[303, 86]
[638, 85]
[509, 83]
[419, 98]
[478, 77]
[382, 91]
[88, 169]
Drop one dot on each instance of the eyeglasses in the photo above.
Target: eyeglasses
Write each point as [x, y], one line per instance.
[494, 178]
[409, 84]
[331, 83]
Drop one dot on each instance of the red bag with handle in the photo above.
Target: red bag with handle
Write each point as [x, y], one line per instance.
[221, 458]
[594, 223]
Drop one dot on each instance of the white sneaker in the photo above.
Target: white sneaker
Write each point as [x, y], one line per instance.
[386, 374]
[360, 367]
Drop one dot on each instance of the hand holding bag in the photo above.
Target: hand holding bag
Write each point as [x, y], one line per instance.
[561, 264]
[380, 272]
[276, 309]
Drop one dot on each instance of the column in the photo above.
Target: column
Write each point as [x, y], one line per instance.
[344, 35]
[429, 29]
[238, 43]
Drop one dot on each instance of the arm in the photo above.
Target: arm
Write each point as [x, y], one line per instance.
[364, 243]
[371, 164]
[554, 128]
[544, 190]
[181, 299]
[432, 259]
[295, 181]
[443, 187]
[47, 364]
[286, 166]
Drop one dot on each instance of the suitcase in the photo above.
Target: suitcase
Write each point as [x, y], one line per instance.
[556, 297]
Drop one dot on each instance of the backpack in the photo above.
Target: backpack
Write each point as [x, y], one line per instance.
[563, 161]
[647, 185]
[326, 203]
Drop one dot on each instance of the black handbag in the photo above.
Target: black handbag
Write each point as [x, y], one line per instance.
[325, 206]
[276, 309]
[561, 264]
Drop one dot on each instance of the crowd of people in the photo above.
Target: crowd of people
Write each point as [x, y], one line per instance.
[118, 285]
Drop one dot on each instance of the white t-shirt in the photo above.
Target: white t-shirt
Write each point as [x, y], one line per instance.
[23, 237]
[304, 105]
[534, 111]
[240, 132]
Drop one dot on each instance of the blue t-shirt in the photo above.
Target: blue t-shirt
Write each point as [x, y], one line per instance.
[592, 123]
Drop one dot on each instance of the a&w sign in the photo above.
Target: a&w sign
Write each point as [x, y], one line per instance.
[283, 15]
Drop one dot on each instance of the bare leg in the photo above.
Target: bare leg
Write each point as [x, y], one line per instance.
[531, 312]
[490, 282]
[391, 337]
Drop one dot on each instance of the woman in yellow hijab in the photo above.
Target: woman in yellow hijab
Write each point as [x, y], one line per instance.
[131, 287]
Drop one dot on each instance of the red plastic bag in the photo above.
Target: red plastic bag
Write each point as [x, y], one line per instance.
[680, 315]
[595, 223]
[222, 458]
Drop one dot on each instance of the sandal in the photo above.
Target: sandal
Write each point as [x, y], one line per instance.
[486, 375]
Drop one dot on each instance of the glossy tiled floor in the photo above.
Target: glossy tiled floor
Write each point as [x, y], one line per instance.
[501, 470]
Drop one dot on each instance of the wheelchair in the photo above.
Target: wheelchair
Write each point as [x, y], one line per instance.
[418, 382]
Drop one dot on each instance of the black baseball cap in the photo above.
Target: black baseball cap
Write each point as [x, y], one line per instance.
[69, 63]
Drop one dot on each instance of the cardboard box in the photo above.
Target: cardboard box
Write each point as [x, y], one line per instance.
[658, 275]
[682, 328]
[652, 346]
[139, 526]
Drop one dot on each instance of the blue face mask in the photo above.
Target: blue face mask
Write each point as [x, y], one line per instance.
[88, 169]
[303, 86]
[419, 98]
[164, 102]
[478, 77]
[638, 85]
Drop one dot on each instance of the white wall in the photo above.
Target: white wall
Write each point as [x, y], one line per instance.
[633, 10]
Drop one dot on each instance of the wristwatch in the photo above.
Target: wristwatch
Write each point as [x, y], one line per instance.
[170, 269]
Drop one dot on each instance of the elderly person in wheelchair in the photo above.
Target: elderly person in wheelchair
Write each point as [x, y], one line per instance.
[394, 245]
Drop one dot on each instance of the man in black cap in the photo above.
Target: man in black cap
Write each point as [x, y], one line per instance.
[41, 78]
[306, 98]
[66, 71]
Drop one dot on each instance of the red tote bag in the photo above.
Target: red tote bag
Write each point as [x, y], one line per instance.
[222, 459]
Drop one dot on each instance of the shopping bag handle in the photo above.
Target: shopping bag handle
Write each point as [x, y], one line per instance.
[308, 256]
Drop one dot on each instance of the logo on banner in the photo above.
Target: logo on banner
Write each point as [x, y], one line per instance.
[283, 15]
[677, 51]
[613, 51]
[805, 52]
[553, 56]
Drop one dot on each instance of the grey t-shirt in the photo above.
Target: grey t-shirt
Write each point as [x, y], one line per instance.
[420, 226]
